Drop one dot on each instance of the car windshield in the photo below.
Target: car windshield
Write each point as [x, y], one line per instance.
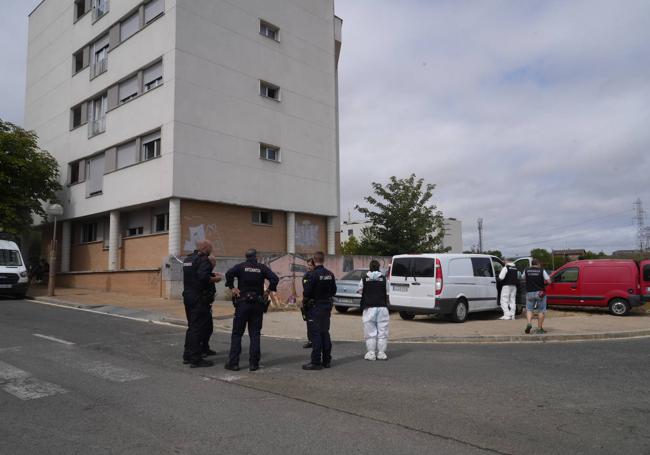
[10, 258]
[354, 275]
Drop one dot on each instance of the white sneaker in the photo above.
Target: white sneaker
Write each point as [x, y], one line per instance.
[504, 318]
[382, 356]
[370, 356]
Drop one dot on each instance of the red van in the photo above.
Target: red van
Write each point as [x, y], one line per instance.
[618, 284]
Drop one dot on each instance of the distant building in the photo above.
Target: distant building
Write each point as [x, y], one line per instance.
[453, 233]
[570, 255]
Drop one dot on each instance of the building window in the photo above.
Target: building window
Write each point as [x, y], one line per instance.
[161, 222]
[151, 146]
[128, 89]
[88, 232]
[269, 30]
[152, 76]
[79, 9]
[78, 59]
[129, 26]
[132, 232]
[74, 173]
[268, 90]
[76, 116]
[270, 152]
[95, 168]
[99, 57]
[262, 217]
[100, 7]
[350, 232]
[98, 116]
[153, 10]
[126, 154]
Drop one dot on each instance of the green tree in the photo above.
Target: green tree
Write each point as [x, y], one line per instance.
[543, 256]
[403, 220]
[28, 178]
[350, 247]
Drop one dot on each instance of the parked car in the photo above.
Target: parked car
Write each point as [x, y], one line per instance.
[617, 284]
[448, 284]
[13, 273]
[346, 290]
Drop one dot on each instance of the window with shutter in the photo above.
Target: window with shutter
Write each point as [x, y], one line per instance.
[153, 9]
[128, 89]
[152, 76]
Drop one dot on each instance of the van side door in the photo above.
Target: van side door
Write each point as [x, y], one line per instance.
[645, 280]
[486, 284]
[564, 288]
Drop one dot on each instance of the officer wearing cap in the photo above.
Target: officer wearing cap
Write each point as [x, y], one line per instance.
[319, 289]
[197, 280]
[248, 298]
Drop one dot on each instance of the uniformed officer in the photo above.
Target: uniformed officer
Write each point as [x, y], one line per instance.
[197, 278]
[306, 303]
[320, 288]
[248, 298]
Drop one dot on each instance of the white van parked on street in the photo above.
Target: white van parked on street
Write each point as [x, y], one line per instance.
[448, 284]
[13, 273]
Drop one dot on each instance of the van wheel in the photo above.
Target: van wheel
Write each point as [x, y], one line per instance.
[406, 315]
[460, 312]
[619, 307]
[341, 309]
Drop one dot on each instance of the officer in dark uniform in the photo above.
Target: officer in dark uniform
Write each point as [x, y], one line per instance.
[320, 288]
[250, 305]
[306, 303]
[197, 279]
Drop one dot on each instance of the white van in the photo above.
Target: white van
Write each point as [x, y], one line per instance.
[449, 284]
[13, 273]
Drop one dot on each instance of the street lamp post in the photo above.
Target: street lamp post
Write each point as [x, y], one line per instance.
[53, 210]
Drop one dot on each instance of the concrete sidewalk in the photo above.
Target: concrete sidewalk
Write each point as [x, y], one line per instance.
[561, 325]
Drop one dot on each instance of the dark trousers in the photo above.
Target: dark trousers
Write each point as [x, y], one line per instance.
[318, 329]
[199, 320]
[248, 314]
[209, 328]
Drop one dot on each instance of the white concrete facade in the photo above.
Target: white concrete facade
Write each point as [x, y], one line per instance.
[453, 233]
[197, 130]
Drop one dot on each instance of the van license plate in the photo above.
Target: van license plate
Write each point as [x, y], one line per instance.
[344, 300]
[5, 286]
[400, 287]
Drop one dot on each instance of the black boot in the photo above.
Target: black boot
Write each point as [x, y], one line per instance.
[312, 366]
[253, 367]
[201, 364]
[307, 345]
[230, 367]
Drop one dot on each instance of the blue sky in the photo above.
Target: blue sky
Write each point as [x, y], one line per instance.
[533, 115]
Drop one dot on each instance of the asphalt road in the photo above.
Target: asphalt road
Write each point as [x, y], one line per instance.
[77, 382]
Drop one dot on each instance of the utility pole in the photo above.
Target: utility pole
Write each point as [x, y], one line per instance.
[639, 219]
[480, 234]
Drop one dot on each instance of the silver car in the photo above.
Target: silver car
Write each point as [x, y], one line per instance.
[346, 290]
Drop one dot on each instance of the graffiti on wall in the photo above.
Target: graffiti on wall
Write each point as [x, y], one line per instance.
[203, 232]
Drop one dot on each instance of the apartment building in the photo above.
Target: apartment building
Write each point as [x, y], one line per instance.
[180, 120]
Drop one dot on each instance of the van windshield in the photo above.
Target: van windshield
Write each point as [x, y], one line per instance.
[10, 258]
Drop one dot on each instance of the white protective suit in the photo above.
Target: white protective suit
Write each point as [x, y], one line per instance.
[375, 326]
[508, 296]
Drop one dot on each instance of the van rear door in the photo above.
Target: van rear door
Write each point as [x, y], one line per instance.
[645, 280]
[412, 282]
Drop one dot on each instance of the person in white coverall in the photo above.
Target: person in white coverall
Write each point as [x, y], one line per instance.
[374, 304]
[509, 276]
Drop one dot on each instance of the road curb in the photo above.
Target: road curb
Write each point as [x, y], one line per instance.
[475, 339]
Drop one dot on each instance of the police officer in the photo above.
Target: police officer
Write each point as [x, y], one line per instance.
[319, 288]
[197, 279]
[509, 278]
[249, 301]
[306, 303]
